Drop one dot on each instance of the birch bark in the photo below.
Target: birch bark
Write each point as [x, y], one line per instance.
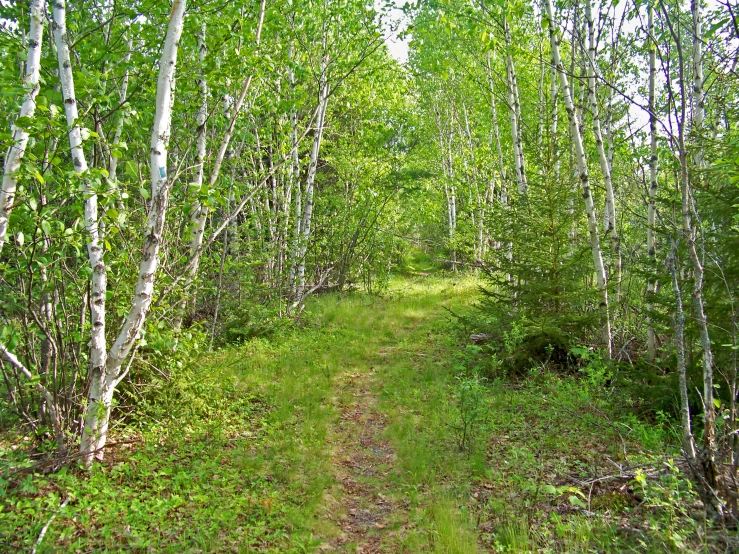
[691, 233]
[605, 166]
[555, 124]
[653, 166]
[582, 165]
[97, 414]
[294, 181]
[112, 172]
[307, 216]
[515, 109]
[20, 135]
[708, 469]
[95, 253]
[199, 214]
[682, 370]
[198, 227]
[496, 129]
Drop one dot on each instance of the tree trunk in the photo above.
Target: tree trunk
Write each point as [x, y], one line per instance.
[682, 370]
[199, 214]
[707, 472]
[605, 166]
[582, 165]
[295, 183]
[197, 237]
[98, 284]
[20, 135]
[305, 226]
[112, 172]
[97, 414]
[515, 109]
[653, 166]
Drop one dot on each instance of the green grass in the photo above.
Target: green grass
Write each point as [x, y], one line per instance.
[244, 461]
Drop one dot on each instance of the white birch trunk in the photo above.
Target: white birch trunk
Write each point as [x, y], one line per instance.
[112, 172]
[682, 370]
[452, 197]
[97, 414]
[480, 202]
[199, 214]
[305, 226]
[452, 187]
[295, 184]
[582, 165]
[20, 136]
[699, 109]
[222, 149]
[555, 124]
[653, 161]
[496, 129]
[605, 166]
[98, 284]
[515, 109]
[690, 231]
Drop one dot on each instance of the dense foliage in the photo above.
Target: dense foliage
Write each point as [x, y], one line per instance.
[180, 178]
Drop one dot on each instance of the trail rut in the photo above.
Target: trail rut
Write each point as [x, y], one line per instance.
[368, 515]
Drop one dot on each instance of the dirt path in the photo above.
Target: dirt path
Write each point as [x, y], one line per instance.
[366, 512]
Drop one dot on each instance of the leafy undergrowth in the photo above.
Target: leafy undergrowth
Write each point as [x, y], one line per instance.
[181, 482]
[567, 469]
[243, 460]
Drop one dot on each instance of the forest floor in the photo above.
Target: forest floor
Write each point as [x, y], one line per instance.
[367, 430]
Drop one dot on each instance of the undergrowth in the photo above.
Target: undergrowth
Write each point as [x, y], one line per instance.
[232, 451]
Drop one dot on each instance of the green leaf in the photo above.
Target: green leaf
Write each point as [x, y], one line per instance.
[24, 122]
[132, 170]
[144, 192]
[576, 501]
[20, 238]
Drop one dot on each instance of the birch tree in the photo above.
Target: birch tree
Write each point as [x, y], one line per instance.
[104, 382]
[605, 166]
[37, 9]
[98, 283]
[583, 175]
[515, 110]
[199, 213]
[307, 215]
[653, 168]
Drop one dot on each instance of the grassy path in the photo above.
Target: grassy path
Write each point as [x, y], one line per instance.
[374, 504]
[322, 438]
[344, 436]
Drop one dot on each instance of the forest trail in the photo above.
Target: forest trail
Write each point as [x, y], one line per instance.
[345, 435]
[362, 459]
[370, 507]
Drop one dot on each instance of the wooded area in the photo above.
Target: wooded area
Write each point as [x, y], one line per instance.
[183, 179]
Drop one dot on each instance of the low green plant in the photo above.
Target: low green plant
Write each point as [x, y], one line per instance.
[668, 495]
[597, 370]
[471, 411]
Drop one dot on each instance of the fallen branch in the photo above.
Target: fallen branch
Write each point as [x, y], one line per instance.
[318, 285]
[48, 523]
